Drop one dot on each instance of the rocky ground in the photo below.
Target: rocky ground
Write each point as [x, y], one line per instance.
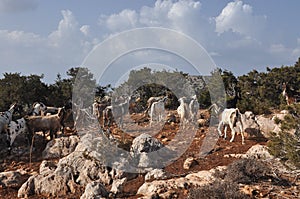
[73, 166]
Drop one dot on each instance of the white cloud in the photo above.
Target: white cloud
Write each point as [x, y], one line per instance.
[181, 15]
[239, 18]
[85, 30]
[66, 30]
[126, 19]
[19, 37]
[64, 47]
[17, 5]
[278, 48]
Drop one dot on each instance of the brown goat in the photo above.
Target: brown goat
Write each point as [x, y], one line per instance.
[52, 123]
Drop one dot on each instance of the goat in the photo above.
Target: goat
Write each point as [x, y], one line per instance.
[52, 123]
[193, 108]
[98, 108]
[51, 110]
[115, 111]
[157, 110]
[6, 117]
[14, 129]
[230, 117]
[291, 96]
[150, 102]
[38, 108]
[183, 111]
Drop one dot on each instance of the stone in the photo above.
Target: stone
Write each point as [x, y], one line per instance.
[60, 147]
[188, 163]
[94, 190]
[145, 143]
[13, 179]
[155, 174]
[118, 185]
[47, 166]
[259, 152]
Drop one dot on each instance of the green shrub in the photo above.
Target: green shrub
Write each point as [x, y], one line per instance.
[286, 144]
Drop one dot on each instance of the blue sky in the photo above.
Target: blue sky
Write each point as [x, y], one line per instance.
[49, 37]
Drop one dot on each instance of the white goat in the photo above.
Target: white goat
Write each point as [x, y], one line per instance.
[14, 129]
[157, 110]
[150, 102]
[6, 117]
[183, 111]
[194, 107]
[38, 108]
[230, 117]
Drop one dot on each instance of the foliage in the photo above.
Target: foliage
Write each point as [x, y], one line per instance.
[262, 91]
[259, 92]
[286, 145]
[29, 89]
[218, 189]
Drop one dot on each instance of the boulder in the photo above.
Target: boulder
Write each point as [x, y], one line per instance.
[94, 190]
[145, 143]
[60, 182]
[87, 163]
[47, 166]
[148, 153]
[13, 179]
[60, 147]
[118, 185]
[267, 126]
[165, 188]
[259, 152]
[155, 174]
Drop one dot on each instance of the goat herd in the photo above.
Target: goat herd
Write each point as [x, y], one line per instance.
[41, 118]
[51, 119]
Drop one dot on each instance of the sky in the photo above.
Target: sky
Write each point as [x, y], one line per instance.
[49, 37]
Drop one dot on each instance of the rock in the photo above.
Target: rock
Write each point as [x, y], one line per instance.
[259, 152]
[188, 163]
[118, 185]
[13, 179]
[165, 188]
[46, 167]
[60, 147]
[56, 183]
[94, 190]
[27, 189]
[145, 143]
[155, 174]
[86, 168]
[147, 152]
[267, 126]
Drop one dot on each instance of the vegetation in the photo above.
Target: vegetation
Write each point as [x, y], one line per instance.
[286, 145]
[29, 89]
[244, 171]
[260, 92]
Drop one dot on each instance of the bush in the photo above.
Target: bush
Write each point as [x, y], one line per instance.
[286, 144]
[218, 189]
[246, 171]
